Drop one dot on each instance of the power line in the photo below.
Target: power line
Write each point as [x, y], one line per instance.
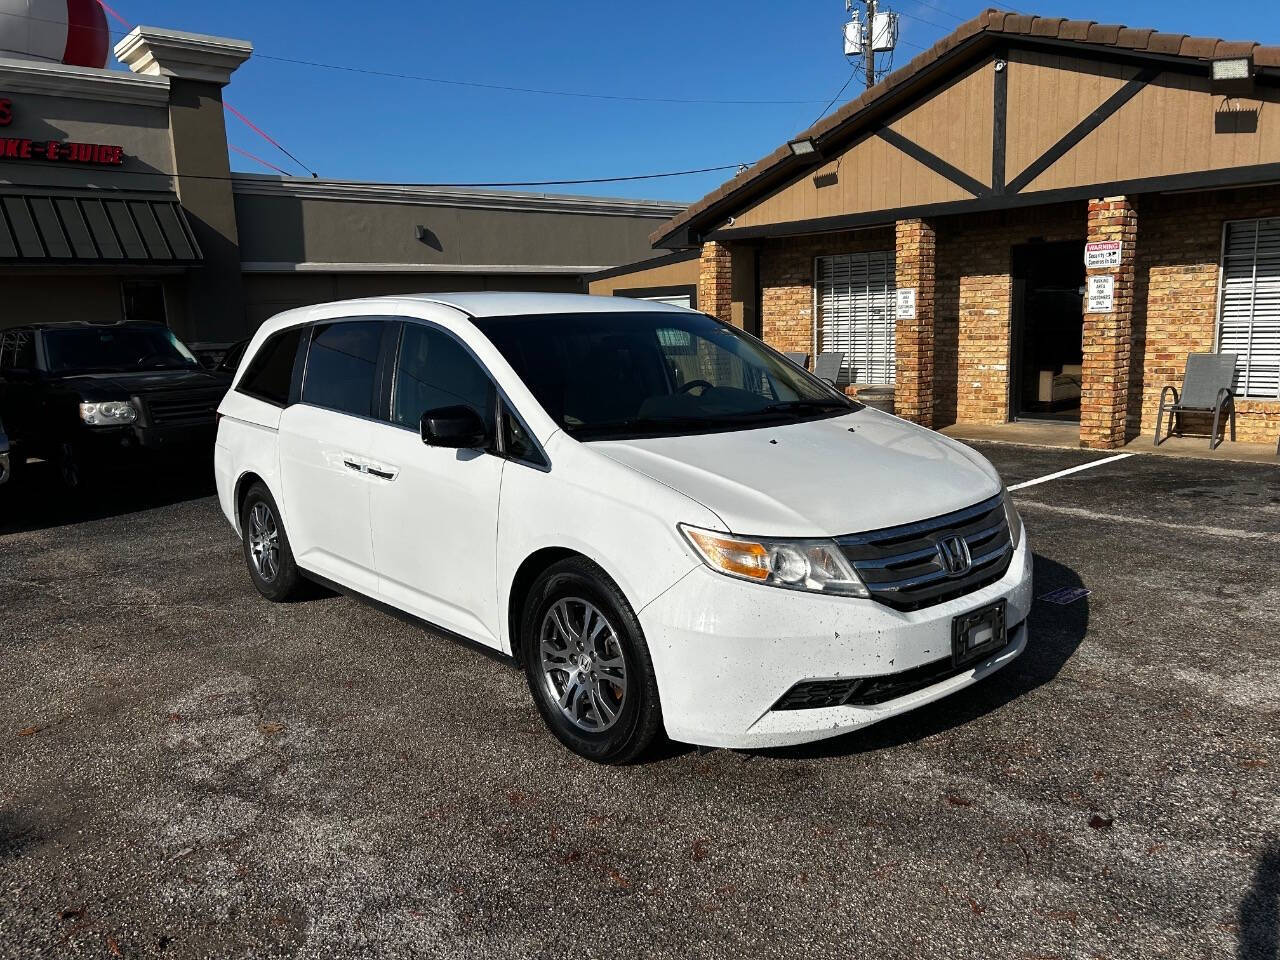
[257, 159]
[540, 91]
[500, 87]
[926, 3]
[836, 97]
[912, 16]
[266, 136]
[502, 183]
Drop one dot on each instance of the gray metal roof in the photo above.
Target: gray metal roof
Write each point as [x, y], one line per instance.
[88, 228]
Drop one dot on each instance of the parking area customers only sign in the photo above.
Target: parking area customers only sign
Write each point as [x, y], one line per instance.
[1101, 294]
[1105, 253]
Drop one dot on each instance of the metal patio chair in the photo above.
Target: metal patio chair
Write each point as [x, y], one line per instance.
[1206, 388]
[799, 359]
[828, 365]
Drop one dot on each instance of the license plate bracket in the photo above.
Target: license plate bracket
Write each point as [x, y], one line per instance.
[978, 634]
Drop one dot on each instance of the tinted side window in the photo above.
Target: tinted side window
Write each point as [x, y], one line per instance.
[434, 370]
[18, 350]
[516, 441]
[343, 365]
[271, 369]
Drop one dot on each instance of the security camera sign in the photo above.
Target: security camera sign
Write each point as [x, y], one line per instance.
[1105, 253]
[1100, 294]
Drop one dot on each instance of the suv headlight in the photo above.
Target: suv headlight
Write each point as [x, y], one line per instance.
[1011, 514]
[110, 414]
[817, 566]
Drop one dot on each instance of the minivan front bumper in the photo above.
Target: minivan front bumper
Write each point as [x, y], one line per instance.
[727, 651]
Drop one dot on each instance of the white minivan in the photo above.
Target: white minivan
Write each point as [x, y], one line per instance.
[668, 524]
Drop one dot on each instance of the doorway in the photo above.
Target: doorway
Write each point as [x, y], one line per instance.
[1047, 351]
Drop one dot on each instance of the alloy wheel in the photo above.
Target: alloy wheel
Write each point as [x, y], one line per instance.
[583, 667]
[264, 542]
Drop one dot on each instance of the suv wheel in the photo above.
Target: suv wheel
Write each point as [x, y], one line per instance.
[588, 665]
[72, 470]
[266, 547]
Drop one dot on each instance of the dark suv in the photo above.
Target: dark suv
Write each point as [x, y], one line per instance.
[95, 395]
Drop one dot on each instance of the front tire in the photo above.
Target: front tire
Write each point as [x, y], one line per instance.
[266, 547]
[588, 665]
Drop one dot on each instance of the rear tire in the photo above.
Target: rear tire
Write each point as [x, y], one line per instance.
[588, 665]
[266, 547]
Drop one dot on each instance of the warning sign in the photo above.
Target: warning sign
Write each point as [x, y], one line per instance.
[1103, 254]
[1100, 296]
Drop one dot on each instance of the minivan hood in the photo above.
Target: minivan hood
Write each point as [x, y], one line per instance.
[861, 471]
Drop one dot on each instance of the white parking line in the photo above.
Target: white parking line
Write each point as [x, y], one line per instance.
[1063, 473]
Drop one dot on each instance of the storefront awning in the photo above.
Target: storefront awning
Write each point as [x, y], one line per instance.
[88, 228]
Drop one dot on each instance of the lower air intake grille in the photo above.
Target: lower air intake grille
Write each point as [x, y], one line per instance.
[905, 567]
[868, 691]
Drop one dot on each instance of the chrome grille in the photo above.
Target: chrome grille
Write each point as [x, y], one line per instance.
[181, 408]
[904, 568]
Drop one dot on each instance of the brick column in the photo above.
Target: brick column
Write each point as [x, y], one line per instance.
[715, 281]
[916, 259]
[1104, 391]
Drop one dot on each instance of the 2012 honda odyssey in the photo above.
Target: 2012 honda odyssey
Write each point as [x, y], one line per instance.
[667, 523]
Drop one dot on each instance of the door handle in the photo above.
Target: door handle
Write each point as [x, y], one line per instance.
[368, 469]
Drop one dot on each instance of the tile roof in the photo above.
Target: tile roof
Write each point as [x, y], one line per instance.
[995, 23]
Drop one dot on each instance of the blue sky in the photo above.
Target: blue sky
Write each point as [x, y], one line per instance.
[361, 127]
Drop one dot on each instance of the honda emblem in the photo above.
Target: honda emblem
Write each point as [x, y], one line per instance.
[954, 556]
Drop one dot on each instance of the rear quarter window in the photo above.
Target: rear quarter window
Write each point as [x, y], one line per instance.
[269, 376]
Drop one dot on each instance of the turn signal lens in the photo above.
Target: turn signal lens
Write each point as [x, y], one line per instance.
[817, 566]
[739, 558]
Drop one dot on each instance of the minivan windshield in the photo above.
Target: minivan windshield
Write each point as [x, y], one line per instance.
[115, 350]
[610, 376]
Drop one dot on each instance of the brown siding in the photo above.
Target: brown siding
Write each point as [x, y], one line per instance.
[680, 274]
[956, 122]
[872, 175]
[1050, 94]
[1170, 127]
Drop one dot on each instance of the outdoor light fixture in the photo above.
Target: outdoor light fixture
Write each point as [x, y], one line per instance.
[1236, 68]
[803, 147]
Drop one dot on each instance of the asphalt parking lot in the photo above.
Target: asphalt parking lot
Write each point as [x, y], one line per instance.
[189, 771]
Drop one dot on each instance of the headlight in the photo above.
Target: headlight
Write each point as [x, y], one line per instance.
[813, 565]
[1015, 521]
[109, 414]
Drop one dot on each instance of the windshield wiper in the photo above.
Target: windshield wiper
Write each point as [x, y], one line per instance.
[799, 406]
[641, 425]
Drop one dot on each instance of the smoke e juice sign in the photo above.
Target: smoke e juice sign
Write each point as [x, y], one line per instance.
[6, 111]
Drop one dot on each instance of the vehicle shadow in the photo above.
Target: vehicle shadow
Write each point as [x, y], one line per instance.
[1260, 909]
[1055, 633]
[34, 499]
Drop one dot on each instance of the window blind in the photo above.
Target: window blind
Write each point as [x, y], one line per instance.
[855, 299]
[1249, 323]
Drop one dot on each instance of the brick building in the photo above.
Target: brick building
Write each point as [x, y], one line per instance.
[936, 229]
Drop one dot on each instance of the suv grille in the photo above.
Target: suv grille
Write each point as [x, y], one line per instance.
[184, 408]
[903, 566]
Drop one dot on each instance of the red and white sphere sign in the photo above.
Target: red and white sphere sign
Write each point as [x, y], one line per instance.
[59, 31]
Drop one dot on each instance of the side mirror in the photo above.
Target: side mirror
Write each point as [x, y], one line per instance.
[457, 427]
